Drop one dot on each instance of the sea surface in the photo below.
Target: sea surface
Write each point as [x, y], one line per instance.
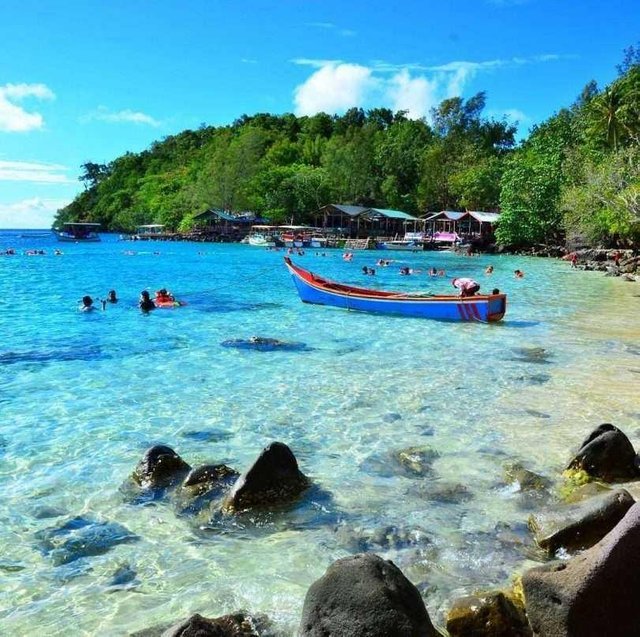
[83, 395]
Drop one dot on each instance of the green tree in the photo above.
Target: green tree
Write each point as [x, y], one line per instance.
[532, 185]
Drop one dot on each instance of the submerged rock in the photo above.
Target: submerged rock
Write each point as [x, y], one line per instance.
[364, 595]
[82, 537]
[384, 538]
[491, 614]
[207, 476]
[607, 454]
[515, 473]
[204, 485]
[123, 577]
[262, 344]
[442, 492]
[416, 461]
[594, 593]
[273, 479]
[537, 355]
[160, 467]
[580, 525]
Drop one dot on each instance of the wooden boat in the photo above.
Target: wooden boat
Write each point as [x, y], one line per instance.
[315, 289]
[76, 232]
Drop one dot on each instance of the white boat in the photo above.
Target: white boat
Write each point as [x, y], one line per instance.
[77, 232]
[261, 241]
[318, 242]
[401, 244]
[262, 236]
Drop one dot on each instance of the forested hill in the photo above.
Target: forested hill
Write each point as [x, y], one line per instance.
[580, 170]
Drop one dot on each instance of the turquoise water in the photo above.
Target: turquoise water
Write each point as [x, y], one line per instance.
[83, 395]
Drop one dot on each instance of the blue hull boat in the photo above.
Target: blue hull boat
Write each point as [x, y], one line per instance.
[315, 289]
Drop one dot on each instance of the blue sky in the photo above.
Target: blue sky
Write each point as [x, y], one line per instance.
[88, 80]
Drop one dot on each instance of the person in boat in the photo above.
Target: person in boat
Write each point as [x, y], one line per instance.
[495, 291]
[145, 303]
[519, 274]
[488, 269]
[467, 287]
[111, 297]
[162, 296]
[87, 304]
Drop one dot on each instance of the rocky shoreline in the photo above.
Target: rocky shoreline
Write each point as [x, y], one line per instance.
[622, 263]
[588, 537]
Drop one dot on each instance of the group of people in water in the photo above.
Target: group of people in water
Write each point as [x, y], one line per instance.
[162, 298]
[470, 287]
[36, 252]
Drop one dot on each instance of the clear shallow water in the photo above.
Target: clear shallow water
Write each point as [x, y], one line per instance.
[82, 397]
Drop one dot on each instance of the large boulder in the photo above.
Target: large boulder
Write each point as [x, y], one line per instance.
[607, 454]
[364, 596]
[581, 525]
[487, 615]
[273, 479]
[594, 593]
[160, 467]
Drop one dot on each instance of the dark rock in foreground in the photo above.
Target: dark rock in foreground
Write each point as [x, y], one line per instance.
[488, 615]
[607, 454]
[364, 596]
[581, 525]
[236, 625]
[160, 467]
[273, 479]
[594, 594]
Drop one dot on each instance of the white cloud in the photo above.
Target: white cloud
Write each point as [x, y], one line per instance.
[36, 172]
[103, 114]
[330, 26]
[30, 213]
[315, 63]
[414, 95]
[334, 87]
[13, 117]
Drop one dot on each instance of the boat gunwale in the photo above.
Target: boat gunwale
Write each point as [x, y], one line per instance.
[328, 285]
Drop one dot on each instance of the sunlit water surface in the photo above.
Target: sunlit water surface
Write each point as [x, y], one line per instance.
[83, 395]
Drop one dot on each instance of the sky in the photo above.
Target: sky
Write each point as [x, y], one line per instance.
[89, 80]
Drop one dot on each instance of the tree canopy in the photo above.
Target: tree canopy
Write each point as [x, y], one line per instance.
[576, 171]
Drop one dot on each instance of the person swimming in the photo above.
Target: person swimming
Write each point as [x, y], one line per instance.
[145, 303]
[87, 304]
[111, 297]
[163, 296]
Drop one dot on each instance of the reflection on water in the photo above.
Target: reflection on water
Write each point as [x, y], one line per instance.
[404, 427]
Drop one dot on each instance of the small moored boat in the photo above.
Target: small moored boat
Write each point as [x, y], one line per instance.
[76, 232]
[318, 290]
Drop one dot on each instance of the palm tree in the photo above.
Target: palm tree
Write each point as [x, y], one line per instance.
[607, 115]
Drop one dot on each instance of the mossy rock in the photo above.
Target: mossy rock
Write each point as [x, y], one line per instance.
[491, 614]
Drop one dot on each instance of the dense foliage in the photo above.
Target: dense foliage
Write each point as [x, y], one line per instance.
[577, 173]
